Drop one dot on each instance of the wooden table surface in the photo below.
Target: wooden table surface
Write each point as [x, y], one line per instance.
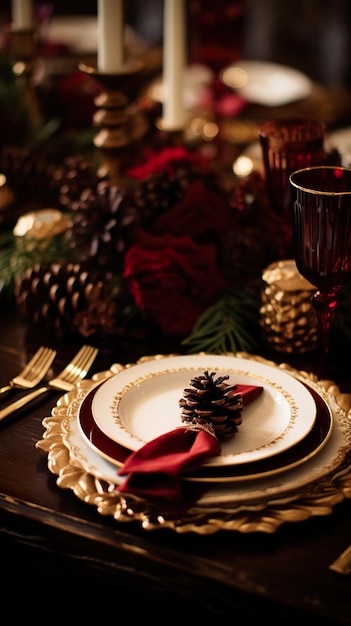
[50, 537]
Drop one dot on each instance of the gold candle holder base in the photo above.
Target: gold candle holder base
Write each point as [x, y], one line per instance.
[122, 125]
[172, 136]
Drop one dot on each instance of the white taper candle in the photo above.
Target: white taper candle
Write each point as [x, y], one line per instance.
[173, 64]
[22, 13]
[110, 36]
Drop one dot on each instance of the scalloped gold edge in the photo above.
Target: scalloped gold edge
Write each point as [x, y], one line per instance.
[264, 517]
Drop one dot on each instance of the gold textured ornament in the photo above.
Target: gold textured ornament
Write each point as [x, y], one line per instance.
[42, 224]
[287, 318]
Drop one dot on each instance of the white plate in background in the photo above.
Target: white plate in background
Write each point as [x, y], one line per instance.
[265, 83]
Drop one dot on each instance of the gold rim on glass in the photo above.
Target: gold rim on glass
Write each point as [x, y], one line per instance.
[319, 191]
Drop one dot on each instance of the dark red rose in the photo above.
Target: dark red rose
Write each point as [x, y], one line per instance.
[173, 280]
[203, 214]
[168, 160]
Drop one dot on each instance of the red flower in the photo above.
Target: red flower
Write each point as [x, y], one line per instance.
[172, 279]
[203, 214]
[167, 160]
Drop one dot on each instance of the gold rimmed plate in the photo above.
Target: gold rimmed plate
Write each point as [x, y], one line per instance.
[294, 456]
[142, 402]
[234, 493]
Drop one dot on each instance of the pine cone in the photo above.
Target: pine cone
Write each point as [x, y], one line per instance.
[51, 296]
[28, 175]
[212, 401]
[71, 177]
[159, 193]
[103, 226]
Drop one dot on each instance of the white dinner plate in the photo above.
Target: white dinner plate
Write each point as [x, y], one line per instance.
[294, 456]
[265, 489]
[142, 402]
[265, 83]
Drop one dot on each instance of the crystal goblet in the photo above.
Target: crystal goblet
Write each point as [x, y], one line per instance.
[321, 222]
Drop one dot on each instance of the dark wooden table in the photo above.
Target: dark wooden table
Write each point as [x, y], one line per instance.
[59, 552]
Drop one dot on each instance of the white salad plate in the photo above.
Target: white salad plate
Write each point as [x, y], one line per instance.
[142, 402]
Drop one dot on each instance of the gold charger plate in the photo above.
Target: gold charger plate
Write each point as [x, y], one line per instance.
[264, 510]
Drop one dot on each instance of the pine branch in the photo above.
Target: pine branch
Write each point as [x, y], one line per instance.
[229, 325]
[19, 254]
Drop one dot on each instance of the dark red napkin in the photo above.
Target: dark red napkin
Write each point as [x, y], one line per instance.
[155, 470]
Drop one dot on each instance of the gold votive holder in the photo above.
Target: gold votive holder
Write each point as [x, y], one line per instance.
[121, 123]
[287, 319]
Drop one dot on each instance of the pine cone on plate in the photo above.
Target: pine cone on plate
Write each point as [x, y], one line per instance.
[212, 401]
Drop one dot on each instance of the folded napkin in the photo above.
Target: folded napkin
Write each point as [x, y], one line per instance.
[155, 471]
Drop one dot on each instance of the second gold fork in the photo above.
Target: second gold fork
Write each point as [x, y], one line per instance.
[74, 371]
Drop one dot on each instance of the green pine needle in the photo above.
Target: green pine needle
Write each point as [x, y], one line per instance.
[229, 325]
[18, 254]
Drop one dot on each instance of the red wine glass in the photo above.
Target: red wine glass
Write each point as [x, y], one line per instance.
[321, 222]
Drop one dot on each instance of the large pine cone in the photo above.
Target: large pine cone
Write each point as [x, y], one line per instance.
[103, 225]
[212, 401]
[160, 192]
[52, 296]
[27, 174]
[70, 178]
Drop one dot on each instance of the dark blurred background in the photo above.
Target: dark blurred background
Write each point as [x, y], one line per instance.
[313, 36]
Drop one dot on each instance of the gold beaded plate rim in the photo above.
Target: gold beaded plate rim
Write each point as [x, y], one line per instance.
[141, 403]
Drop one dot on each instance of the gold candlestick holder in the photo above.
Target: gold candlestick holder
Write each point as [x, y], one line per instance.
[121, 122]
[23, 57]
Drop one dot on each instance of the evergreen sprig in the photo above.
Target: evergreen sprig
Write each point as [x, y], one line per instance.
[231, 324]
[17, 254]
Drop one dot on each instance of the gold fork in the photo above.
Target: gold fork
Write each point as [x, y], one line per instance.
[65, 381]
[342, 565]
[33, 372]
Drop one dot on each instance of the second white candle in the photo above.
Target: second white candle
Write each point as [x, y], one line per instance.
[173, 65]
[110, 36]
[22, 13]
